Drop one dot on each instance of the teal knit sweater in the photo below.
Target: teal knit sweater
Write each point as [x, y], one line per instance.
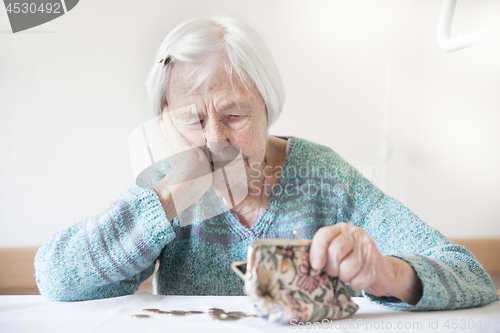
[112, 253]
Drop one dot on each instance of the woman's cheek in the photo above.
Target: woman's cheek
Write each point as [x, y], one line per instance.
[195, 137]
[244, 140]
[249, 143]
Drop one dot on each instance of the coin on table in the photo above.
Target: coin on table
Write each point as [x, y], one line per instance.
[140, 316]
[215, 315]
[236, 313]
[225, 315]
[150, 310]
[177, 313]
[216, 312]
[227, 318]
[215, 309]
[193, 312]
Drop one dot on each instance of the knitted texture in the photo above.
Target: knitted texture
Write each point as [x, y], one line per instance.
[112, 253]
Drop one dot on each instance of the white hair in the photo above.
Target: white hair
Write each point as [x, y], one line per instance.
[208, 43]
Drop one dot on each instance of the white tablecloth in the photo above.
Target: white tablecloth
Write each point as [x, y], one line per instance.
[34, 314]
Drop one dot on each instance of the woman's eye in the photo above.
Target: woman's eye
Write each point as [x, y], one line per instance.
[195, 122]
[189, 124]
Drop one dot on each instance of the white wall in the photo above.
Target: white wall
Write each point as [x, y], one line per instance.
[72, 89]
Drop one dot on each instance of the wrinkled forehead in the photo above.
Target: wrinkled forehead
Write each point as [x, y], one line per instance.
[192, 84]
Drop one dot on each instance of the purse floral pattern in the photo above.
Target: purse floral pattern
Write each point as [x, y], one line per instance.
[285, 288]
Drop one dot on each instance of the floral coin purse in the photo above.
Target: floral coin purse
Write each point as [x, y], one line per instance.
[286, 289]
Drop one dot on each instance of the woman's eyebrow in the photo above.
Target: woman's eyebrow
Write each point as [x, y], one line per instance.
[189, 114]
[241, 105]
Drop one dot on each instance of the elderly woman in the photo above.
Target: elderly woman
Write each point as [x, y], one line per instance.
[216, 86]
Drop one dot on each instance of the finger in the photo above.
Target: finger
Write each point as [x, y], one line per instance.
[338, 250]
[351, 266]
[168, 127]
[371, 274]
[366, 276]
[176, 142]
[318, 251]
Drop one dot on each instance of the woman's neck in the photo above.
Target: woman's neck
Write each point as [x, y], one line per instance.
[248, 210]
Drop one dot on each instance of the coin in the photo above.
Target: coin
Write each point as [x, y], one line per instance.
[177, 313]
[226, 318]
[194, 312]
[236, 313]
[215, 309]
[216, 312]
[216, 315]
[225, 315]
[140, 316]
[150, 310]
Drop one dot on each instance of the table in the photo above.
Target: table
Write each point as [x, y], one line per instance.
[35, 314]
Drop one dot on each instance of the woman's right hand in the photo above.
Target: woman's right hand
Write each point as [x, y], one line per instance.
[190, 175]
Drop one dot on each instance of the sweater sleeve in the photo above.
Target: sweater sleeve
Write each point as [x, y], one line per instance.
[107, 255]
[451, 276]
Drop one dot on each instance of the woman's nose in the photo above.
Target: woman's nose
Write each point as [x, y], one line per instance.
[217, 136]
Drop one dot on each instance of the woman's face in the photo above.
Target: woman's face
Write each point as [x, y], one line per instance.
[216, 113]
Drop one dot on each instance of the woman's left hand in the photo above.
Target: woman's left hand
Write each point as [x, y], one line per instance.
[348, 252]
